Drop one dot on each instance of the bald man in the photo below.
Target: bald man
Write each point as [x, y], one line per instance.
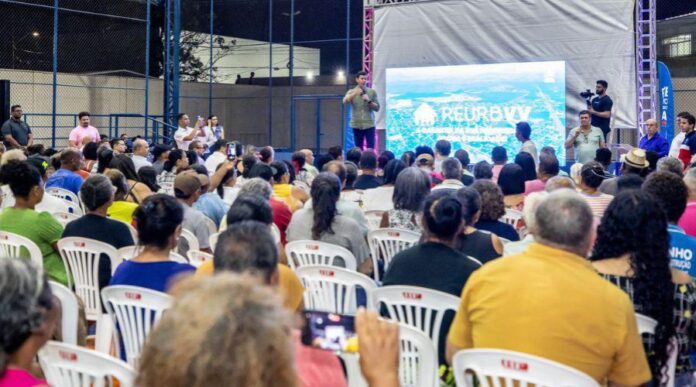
[140, 151]
[653, 141]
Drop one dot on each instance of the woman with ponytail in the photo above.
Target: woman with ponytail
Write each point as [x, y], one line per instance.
[322, 222]
[435, 264]
[632, 251]
[27, 320]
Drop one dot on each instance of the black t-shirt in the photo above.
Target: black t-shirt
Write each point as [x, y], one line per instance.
[367, 182]
[602, 104]
[467, 180]
[18, 129]
[433, 266]
[101, 229]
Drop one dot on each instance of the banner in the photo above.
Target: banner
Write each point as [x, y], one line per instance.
[666, 102]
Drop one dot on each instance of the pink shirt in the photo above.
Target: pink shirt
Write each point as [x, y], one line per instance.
[317, 367]
[534, 186]
[688, 219]
[16, 377]
[79, 133]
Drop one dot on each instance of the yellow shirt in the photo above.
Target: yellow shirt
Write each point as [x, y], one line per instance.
[551, 303]
[122, 211]
[288, 282]
[283, 192]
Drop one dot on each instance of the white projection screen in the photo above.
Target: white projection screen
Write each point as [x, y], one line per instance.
[594, 37]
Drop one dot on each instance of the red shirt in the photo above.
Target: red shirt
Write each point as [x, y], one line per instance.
[688, 219]
[281, 217]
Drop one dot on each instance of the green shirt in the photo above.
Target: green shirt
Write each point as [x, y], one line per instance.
[361, 117]
[42, 229]
[586, 145]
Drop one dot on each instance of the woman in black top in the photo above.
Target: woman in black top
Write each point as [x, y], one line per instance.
[492, 209]
[481, 245]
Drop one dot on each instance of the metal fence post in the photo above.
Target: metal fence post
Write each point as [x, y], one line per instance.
[147, 66]
[55, 72]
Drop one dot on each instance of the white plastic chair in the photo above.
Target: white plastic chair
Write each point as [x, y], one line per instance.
[275, 231]
[190, 239]
[81, 259]
[385, 243]
[134, 311]
[647, 325]
[374, 219]
[332, 289]
[64, 217]
[66, 365]
[11, 245]
[211, 225]
[197, 257]
[213, 240]
[418, 359]
[74, 208]
[496, 367]
[68, 312]
[512, 217]
[421, 308]
[64, 194]
[306, 252]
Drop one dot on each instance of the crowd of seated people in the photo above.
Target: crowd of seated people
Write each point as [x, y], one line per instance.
[543, 262]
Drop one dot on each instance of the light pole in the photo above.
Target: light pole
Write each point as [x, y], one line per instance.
[34, 34]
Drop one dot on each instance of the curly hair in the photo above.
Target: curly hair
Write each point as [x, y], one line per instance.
[242, 340]
[25, 299]
[492, 204]
[628, 219]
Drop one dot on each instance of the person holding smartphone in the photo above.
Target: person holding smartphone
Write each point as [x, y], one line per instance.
[213, 125]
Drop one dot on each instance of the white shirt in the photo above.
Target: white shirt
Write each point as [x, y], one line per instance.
[49, 203]
[139, 162]
[529, 147]
[676, 143]
[179, 138]
[378, 199]
[209, 138]
[449, 184]
[517, 247]
[215, 159]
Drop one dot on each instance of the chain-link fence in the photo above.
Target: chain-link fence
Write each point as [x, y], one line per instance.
[67, 56]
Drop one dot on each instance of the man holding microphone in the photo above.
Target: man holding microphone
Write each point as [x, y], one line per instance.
[363, 102]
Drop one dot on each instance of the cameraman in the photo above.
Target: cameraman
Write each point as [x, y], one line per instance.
[600, 108]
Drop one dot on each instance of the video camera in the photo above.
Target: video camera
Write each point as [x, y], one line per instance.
[587, 94]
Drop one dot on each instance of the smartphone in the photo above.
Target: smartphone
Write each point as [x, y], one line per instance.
[231, 151]
[239, 149]
[327, 331]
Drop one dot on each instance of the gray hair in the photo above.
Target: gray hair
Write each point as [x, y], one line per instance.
[257, 187]
[531, 203]
[558, 182]
[410, 189]
[564, 220]
[690, 180]
[671, 164]
[451, 168]
[13, 154]
[24, 298]
[96, 191]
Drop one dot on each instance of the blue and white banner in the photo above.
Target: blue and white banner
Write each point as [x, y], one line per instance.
[666, 102]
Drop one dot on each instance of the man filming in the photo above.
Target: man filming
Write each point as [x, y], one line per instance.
[600, 108]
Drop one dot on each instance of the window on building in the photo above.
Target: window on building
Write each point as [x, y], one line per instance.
[678, 45]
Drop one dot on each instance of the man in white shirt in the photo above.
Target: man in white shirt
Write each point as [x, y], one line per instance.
[523, 132]
[140, 151]
[216, 158]
[184, 134]
[452, 172]
[679, 138]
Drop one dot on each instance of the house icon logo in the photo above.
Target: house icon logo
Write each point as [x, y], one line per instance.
[424, 115]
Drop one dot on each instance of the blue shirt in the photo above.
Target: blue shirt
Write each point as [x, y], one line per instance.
[681, 249]
[65, 179]
[498, 228]
[212, 206]
[656, 144]
[151, 275]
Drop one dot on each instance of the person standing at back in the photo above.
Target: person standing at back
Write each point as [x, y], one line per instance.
[600, 108]
[562, 310]
[523, 133]
[363, 101]
[443, 148]
[83, 133]
[15, 132]
[585, 139]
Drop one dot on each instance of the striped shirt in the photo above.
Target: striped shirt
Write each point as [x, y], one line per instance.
[598, 202]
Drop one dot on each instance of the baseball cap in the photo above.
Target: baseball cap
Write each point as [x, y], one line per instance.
[39, 162]
[187, 183]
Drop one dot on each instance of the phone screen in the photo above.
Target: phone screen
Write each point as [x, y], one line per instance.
[328, 331]
[231, 150]
[239, 149]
